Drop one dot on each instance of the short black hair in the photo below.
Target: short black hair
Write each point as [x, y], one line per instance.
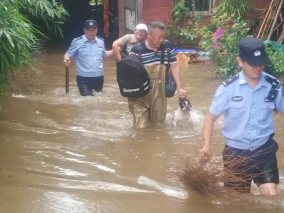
[157, 24]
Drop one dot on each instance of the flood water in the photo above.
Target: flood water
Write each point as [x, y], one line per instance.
[66, 153]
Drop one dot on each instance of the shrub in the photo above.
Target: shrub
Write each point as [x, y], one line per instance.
[223, 43]
[276, 65]
[17, 33]
[181, 31]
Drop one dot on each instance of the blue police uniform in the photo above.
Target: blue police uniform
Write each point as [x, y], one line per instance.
[88, 56]
[250, 150]
[248, 112]
[249, 128]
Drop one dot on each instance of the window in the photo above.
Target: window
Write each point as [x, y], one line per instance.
[96, 5]
[203, 6]
[96, 2]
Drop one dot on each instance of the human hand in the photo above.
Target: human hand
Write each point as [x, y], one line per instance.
[204, 154]
[66, 63]
[182, 93]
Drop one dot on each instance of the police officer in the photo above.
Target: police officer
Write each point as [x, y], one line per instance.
[88, 51]
[247, 101]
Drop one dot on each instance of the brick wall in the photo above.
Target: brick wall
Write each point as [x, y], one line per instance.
[157, 10]
[161, 9]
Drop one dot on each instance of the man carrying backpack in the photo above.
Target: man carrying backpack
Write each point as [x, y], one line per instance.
[152, 108]
[122, 46]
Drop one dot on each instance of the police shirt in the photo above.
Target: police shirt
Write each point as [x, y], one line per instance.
[248, 112]
[88, 56]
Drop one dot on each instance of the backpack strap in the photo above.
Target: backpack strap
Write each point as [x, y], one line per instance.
[169, 56]
[166, 46]
[163, 54]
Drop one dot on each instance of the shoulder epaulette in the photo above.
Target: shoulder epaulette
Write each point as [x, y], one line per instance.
[76, 39]
[231, 80]
[100, 38]
[273, 81]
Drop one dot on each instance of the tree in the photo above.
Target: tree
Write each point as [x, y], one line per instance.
[17, 32]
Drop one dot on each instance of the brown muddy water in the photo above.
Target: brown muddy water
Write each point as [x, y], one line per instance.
[66, 153]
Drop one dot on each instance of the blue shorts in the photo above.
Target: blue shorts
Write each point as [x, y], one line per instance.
[259, 165]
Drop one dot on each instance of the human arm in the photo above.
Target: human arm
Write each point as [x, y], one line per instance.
[176, 74]
[172, 60]
[207, 130]
[120, 43]
[66, 60]
[279, 101]
[219, 106]
[105, 53]
[70, 53]
[117, 47]
[109, 53]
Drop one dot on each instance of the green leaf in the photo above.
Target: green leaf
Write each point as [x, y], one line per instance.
[9, 38]
[17, 32]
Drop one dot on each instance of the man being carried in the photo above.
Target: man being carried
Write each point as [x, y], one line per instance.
[122, 46]
[152, 107]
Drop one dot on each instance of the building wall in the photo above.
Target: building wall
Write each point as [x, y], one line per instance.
[157, 10]
[121, 18]
[150, 10]
[161, 9]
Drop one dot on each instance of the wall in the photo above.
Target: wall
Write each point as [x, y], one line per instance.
[121, 18]
[150, 10]
[157, 10]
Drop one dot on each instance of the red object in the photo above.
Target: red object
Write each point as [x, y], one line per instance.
[107, 13]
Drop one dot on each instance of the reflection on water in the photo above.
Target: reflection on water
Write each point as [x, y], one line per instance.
[167, 190]
[66, 153]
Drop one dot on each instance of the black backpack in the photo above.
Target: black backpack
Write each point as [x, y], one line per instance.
[132, 77]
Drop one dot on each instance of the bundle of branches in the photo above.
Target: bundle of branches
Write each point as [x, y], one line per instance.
[273, 22]
[229, 185]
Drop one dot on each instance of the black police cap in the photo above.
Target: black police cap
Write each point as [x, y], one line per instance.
[252, 51]
[90, 23]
